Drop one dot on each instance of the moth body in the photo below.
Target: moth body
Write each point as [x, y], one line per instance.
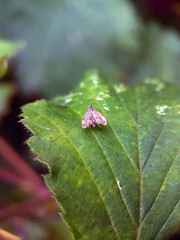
[93, 117]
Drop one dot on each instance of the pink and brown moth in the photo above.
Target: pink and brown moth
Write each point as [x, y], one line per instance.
[93, 117]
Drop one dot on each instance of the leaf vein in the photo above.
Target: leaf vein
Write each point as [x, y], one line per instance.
[156, 140]
[120, 143]
[162, 184]
[166, 219]
[138, 157]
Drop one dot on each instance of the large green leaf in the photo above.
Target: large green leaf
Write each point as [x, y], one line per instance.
[120, 181]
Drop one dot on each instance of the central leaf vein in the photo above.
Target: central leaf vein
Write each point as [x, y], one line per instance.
[137, 138]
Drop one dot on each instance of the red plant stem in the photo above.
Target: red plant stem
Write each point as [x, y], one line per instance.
[8, 236]
[10, 177]
[18, 163]
[29, 207]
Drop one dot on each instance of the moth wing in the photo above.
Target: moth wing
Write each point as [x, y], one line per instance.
[87, 119]
[99, 118]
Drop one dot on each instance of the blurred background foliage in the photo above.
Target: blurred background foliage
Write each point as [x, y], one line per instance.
[65, 38]
[27, 208]
[55, 42]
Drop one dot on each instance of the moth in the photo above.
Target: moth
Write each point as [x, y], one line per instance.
[93, 117]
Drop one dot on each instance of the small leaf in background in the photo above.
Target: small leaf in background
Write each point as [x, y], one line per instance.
[3, 66]
[6, 91]
[120, 181]
[9, 48]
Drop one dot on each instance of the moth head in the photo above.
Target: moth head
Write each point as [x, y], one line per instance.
[90, 106]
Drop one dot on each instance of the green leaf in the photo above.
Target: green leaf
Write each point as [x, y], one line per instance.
[6, 92]
[120, 181]
[9, 48]
[3, 66]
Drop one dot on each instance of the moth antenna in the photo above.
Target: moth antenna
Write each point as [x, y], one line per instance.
[93, 100]
[88, 103]
[83, 100]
